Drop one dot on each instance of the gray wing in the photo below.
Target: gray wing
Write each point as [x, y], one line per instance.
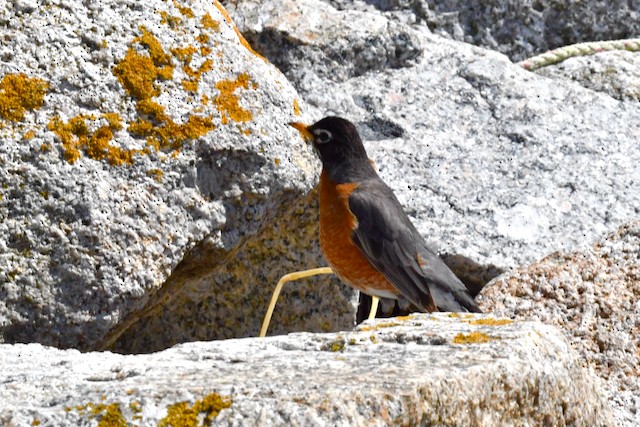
[389, 241]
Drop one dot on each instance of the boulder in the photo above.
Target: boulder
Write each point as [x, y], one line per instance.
[493, 163]
[141, 145]
[593, 298]
[517, 29]
[419, 370]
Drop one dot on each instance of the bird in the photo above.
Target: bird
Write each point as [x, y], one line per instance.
[366, 236]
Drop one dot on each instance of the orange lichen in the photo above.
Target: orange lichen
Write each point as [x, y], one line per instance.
[19, 94]
[138, 73]
[167, 134]
[228, 103]
[114, 120]
[28, 135]
[491, 322]
[191, 85]
[296, 107]
[184, 54]
[157, 54]
[186, 11]
[157, 174]
[471, 338]
[203, 39]
[210, 23]
[183, 414]
[243, 41]
[172, 21]
[76, 136]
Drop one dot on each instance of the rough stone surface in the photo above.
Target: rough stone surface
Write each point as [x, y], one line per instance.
[140, 145]
[492, 162]
[289, 244]
[518, 29]
[593, 297]
[615, 73]
[409, 371]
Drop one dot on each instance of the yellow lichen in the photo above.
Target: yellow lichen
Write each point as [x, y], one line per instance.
[172, 21]
[19, 94]
[460, 315]
[203, 38]
[491, 322]
[167, 134]
[191, 85]
[138, 74]
[296, 107]
[243, 41]
[210, 23]
[228, 103]
[114, 120]
[110, 415]
[186, 11]
[75, 136]
[157, 54]
[28, 135]
[335, 345]
[157, 174]
[471, 338]
[379, 326]
[184, 54]
[135, 406]
[184, 415]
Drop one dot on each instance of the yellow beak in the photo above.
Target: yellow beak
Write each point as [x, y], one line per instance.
[304, 131]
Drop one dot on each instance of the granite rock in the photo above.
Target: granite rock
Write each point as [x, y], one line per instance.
[593, 298]
[492, 162]
[420, 370]
[614, 73]
[141, 145]
[516, 28]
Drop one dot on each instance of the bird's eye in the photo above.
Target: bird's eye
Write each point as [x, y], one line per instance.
[322, 136]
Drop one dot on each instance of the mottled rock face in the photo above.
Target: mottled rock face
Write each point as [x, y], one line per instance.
[493, 163]
[593, 296]
[425, 369]
[516, 28]
[142, 143]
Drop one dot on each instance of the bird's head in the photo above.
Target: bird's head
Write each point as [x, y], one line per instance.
[336, 141]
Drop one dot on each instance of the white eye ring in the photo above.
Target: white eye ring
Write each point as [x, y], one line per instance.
[322, 136]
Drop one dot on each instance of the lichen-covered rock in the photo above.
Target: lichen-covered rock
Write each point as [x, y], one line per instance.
[593, 297]
[440, 369]
[141, 143]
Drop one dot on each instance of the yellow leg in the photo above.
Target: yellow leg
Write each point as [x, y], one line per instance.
[374, 307]
[276, 292]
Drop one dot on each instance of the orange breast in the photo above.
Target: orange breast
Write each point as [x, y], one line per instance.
[336, 225]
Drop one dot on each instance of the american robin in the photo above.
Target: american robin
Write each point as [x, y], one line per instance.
[365, 235]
